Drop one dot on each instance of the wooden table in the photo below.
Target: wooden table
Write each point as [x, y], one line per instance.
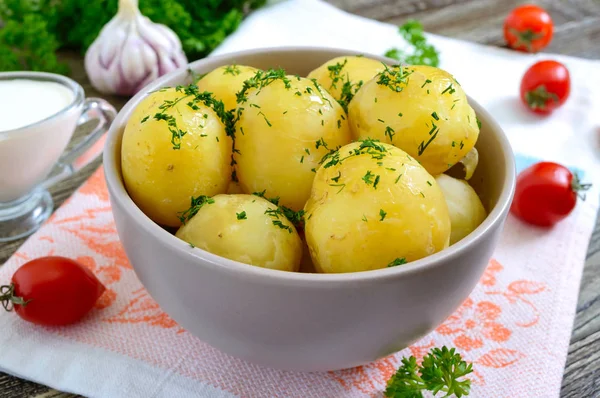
[577, 33]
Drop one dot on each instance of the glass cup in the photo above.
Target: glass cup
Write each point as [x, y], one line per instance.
[32, 157]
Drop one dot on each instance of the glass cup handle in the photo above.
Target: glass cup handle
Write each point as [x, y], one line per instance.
[91, 146]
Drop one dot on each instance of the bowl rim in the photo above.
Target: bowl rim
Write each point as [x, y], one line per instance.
[204, 258]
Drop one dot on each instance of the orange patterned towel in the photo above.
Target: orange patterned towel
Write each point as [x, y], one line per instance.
[517, 321]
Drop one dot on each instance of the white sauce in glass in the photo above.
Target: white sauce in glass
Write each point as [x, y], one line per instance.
[24, 102]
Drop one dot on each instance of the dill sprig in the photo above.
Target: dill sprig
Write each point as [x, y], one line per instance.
[348, 88]
[196, 203]
[295, 217]
[394, 77]
[232, 70]
[194, 97]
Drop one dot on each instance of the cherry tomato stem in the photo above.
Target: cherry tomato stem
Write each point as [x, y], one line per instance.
[578, 187]
[8, 298]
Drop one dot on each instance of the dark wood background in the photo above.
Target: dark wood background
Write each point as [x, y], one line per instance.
[577, 33]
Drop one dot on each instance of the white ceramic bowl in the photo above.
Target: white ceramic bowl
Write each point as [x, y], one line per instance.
[296, 321]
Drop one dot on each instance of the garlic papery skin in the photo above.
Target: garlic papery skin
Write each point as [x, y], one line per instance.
[131, 51]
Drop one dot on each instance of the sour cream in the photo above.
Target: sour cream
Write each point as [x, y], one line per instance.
[24, 102]
[42, 112]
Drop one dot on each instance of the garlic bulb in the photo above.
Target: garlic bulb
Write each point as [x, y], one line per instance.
[131, 51]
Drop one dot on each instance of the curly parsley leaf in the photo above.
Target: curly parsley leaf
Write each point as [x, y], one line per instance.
[423, 52]
[27, 45]
[442, 370]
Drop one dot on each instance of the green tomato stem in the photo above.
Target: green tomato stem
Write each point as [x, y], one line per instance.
[578, 187]
[539, 97]
[8, 298]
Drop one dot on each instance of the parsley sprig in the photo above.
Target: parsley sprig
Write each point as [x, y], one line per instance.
[442, 370]
[33, 30]
[423, 53]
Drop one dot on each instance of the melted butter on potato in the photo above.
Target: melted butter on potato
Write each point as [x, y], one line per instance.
[373, 205]
[465, 207]
[334, 73]
[286, 126]
[162, 170]
[245, 228]
[224, 82]
[421, 110]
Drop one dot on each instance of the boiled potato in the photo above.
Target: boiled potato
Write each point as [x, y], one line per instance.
[306, 265]
[286, 126]
[245, 228]
[421, 110]
[357, 70]
[372, 206]
[225, 82]
[163, 166]
[465, 207]
[234, 188]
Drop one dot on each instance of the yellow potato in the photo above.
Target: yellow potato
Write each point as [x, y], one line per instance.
[234, 188]
[245, 228]
[306, 265]
[465, 207]
[225, 81]
[354, 69]
[284, 130]
[372, 206]
[421, 110]
[161, 169]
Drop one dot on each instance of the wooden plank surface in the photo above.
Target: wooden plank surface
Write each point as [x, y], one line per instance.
[577, 33]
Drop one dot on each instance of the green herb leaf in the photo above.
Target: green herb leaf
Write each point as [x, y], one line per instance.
[398, 261]
[442, 370]
[295, 217]
[195, 205]
[34, 30]
[241, 216]
[368, 178]
[389, 132]
[232, 70]
[423, 53]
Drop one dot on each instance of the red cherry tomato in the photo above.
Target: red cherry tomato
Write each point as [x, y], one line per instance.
[52, 291]
[528, 28]
[545, 86]
[546, 193]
